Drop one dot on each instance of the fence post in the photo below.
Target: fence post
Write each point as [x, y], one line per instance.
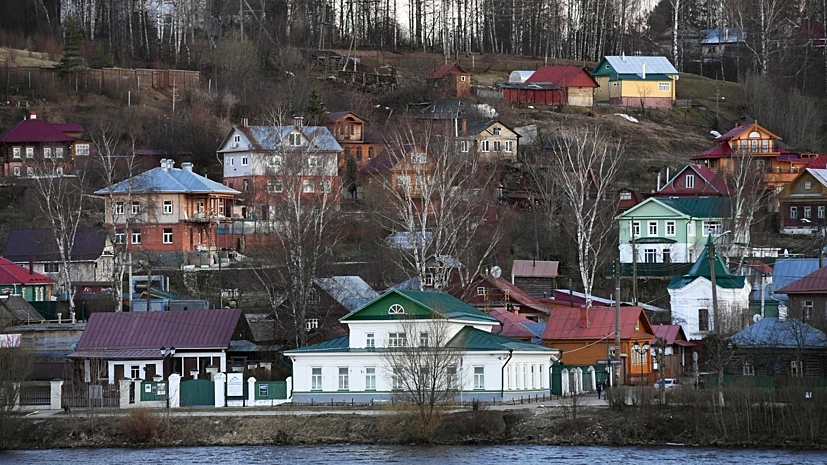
[56, 393]
[289, 381]
[219, 379]
[123, 392]
[251, 388]
[174, 390]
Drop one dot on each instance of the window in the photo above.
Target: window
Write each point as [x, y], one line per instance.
[497, 146]
[403, 182]
[808, 185]
[370, 340]
[653, 228]
[793, 212]
[313, 297]
[230, 161]
[135, 372]
[638, 358]
[636, 228]
[82, 149]
[796, 369]
[419, 158]
[650, 255]
[326, 186]
[479, 377]
[713, 227]
[245, 161]
[525, 380]
[370, 379]
[820, 211]
[533, 377]
[343, 379]
[689, 181]
[463, 146]
[237, 139]
[541, 372]
[358, 153]
[397, 340]
[15, 152]
[245, 186]
[167, 207]
[806, 310]
[670, 228]
[703, 319]
[370, 153]
[16, 171]
[308, 186]
[625, 196]
[497, 131]
[47, 152]
[313, 162]
[663, 86]
[397, 383]
[396, 309]
[275, 186]
[485, 146]
[167, 235]
[136, 236]
[136, 208]
[667, 255]
[51, 268]
[690, 228]
[294, 139]
[316, 379]
[509, 146]
[59, 171]
[30, 171]
[452, 378]
[428, 280]
[29, 152]
[276, 161]
[120, 236]
[765, 145]
[480, 291]
[423, 339]
[119, 208]
[749, 370]
[462, 78]
[807, 212]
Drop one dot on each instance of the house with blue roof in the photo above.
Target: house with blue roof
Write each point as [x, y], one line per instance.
[403, 341]
[636, 81]
[167, 209]
[781, 347]
[267, 162]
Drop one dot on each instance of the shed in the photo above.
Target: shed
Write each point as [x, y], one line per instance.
[576, 83]
[519, 76]
[534, 93]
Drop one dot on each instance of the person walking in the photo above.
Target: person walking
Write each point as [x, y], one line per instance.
[599, 388]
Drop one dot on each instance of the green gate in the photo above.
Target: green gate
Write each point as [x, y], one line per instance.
[197, 392]
[556, 379]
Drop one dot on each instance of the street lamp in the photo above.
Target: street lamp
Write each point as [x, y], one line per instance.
[640, 351]
[165, 353]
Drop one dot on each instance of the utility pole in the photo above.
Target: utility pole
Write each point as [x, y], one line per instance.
[711, 250]
[617, 323]
[634, 264]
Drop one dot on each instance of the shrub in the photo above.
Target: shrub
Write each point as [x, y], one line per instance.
[141, 426]
[617, 397]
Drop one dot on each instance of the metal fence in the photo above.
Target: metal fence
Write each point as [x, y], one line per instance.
[90, 396]
[36, 394]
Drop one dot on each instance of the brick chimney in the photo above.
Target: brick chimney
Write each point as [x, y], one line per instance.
[584, 317]
[32, 114]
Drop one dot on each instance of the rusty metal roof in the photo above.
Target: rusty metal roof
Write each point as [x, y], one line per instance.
[535, 269]
[189, 329]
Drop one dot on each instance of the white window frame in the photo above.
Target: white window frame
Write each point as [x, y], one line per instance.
[479, 378]
[794, 213]
[29, 171]
[135, 207]
[370, 340]
[419, 158]
[136, 236]
[480, 290]
[652, 228]
[120, 236]
[397, 339]
[690, 228]
[58, 152]
[16, 171]
[16, 152]
[671, 229]
[294, 139]
[808, 212]
[167, 207]
[119, 208]
[424, 339]
[808, 185]
[29, 152]
[308, 186]
[315, 378]
[820, 211]
[806, 311]
[464, 146]
[509, 146]
[635, 228]
[485, 146]
[314, 161]
[664, 86]
[344, 379]
[403, 182]
[497, 131]
[713, 227]
[47, 152]
[82, 150]
[689, 181]
[276, 187]
[245, 161]
[498, 146]
[650, 255]
[167, 236]
[370, 378]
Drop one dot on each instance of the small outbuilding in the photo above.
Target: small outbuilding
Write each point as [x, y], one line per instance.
[451, 79]
[576, 84]
[519, 76]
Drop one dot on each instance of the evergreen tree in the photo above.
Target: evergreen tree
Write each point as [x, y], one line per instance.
[71, 61]
[314, 110]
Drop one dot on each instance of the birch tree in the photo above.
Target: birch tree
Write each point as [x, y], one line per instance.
[587, 162]
[746, 184]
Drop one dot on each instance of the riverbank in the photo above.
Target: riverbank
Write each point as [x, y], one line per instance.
[541, 426]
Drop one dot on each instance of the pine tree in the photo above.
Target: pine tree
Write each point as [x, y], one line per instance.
[71, 61]
[314, 110]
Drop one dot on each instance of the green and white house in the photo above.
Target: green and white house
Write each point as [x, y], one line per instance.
[671, 230]
[356, 367]
[690, 297]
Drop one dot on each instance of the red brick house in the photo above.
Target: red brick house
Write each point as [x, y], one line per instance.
[34, 146]
[358, 148]
[450, 79]
[695, 181]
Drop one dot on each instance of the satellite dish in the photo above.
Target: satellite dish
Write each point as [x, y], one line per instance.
[756, 318]
[74, 347]
[496, 271]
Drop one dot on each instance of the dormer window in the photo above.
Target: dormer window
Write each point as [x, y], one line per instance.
[690, 181]
[294, 139]
[808, 185]
[396, 309]
[497, 131]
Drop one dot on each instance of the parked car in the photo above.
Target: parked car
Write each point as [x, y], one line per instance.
[668, 383]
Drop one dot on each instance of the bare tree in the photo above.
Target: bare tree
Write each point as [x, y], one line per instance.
[586, 163]
[746, 184]
[15, 366]
[439, 197]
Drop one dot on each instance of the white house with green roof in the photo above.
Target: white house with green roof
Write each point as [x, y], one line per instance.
[356, 367]
[691, 297]
[671, 230]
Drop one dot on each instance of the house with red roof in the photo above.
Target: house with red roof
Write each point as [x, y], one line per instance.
[693, 181]
[450, 79]
[807, 298]
[677, 351]
[536, 277]
[517, 326]
[576, 84]
[587, 336]
[16, 280]
[489, 293]
[33, 147]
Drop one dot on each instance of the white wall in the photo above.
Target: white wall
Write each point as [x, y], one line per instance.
[381, 329]
[686, 302]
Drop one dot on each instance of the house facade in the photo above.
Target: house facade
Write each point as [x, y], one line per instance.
[358, 148]
[690, 297]
[488, 293]
[677, 351]
[402, 168]
[265, 162]
[636, 81]
[807, 298]
[802, 203]
[16, 280]
[358, 367]
[492, 140]
[537, 277]
[167, 209]
[450, 79]
[781, 348]
[576, 84]
[695, 181]
[33, 147]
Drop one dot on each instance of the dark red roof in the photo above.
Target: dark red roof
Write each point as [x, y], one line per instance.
[441, 71]
[515, 294]
[512, 325]
[813, 283]
[34, 130]
[565, 323]
[732, 133]
[710, 178]
[819, 163]
[672, 334]
[39, 244]
[564, 76]
[719, 151]
[188, 329]
[16, 274]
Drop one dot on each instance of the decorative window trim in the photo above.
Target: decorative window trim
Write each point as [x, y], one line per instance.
[396, 309]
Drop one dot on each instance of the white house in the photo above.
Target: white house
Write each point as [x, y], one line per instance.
[691, 297]
[357, 367]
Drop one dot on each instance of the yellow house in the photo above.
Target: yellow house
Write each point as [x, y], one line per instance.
[636, 81]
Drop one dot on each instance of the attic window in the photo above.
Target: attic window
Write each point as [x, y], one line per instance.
[462, 78]
[808, 185]
[637, 325]
[396, 309]
[625, 196]
[755, 135]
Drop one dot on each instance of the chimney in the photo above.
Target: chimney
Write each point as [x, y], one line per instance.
[244, 122]
[186, 166]
[164, 164]
[623, 56]
[298, 121]
[584, 317]
[643, 70]
[32, 114]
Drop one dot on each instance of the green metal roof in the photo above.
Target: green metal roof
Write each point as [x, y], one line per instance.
[426, 305]
[470, 338]
[699, 207]
[340, 344]
[723, 277]
[448, 305]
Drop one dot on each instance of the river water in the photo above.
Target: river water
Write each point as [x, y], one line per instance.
[447, 455]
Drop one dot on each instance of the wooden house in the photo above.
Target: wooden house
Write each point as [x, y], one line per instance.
[492, 140]
[695, 181]
[533, 93]
[488, 293]
[639, 81]
[401, 168]
[450, 79]
[803, 202]
[34, 147]
[576, 84]
[807, 298]
[358, 148]
[677, 351]
[537, 277]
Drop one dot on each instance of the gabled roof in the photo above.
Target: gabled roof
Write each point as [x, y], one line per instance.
[788, 270]
[340, 344]
[699, 207]
[672, 334]
[189, 329]
[738, 130]
[34, 130]
[515, 294]
[723, 277]
[266, 138]
[473, 339]
[333, 116]
[436, 303]
[350, 291]
[564, 76]
[39, 244]
[722, 150]
[168, 181]
[813, 283]
[633, 65]
[441, 71]
[535, 269]
[780, 334]
[514, 325]
[477, 127]
[565, 323]
[11, 273]
[820, 175]
[17, 309]
[711, 178]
